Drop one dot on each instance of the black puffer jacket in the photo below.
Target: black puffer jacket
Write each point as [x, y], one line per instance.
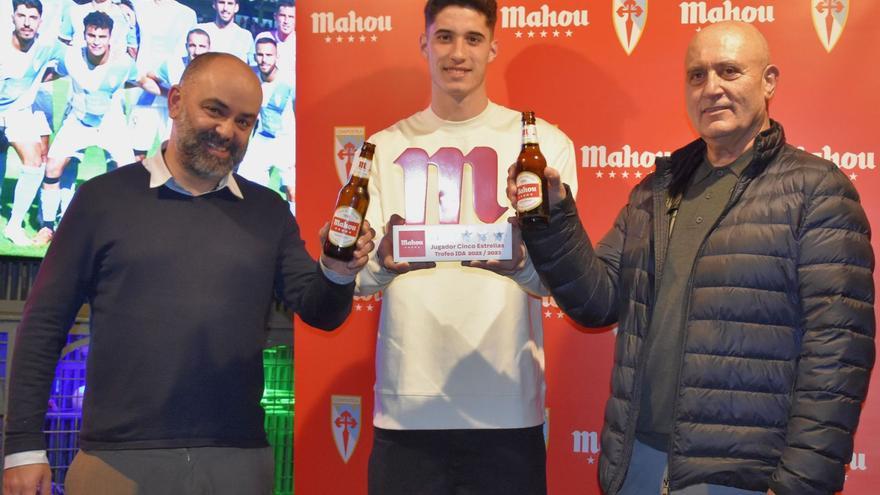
[778, 343]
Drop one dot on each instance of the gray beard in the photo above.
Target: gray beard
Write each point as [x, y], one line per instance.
[193, 146]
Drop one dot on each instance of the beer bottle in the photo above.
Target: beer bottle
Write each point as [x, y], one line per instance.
[351, 206]
[532, 207]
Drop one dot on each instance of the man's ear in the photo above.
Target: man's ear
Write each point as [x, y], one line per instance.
[175, 101]
[771, 77]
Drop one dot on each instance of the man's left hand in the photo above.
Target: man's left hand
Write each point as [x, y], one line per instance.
[505, 267]
[363, 247]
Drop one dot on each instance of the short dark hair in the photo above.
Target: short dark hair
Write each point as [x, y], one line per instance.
[486, 7]
[99, 20]
[199, 31]
[284, 3]
[31, 4]
[265, 40]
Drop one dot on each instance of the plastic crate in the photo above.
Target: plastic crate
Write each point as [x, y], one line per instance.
[278, 402]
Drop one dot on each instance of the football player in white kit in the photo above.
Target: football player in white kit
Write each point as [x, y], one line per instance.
[163, 25]
[226, 35]
[95, 117]
[274, 141]
[170, 71]
[24, 58]
[284, 35]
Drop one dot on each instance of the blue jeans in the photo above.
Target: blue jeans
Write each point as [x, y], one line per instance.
[647, 469]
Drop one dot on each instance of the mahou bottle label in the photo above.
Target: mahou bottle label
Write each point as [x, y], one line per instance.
[344, 226]
[528, 191]
[530, 134]
[362, 169]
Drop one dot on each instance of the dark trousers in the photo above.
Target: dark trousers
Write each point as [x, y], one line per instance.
[458, 462]
[196, 471]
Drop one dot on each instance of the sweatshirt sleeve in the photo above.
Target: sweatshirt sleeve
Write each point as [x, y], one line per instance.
[63, 284]
[374, 277]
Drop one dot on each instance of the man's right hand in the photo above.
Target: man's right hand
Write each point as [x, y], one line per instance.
[29, 479]
[555, 188]
[385, 253]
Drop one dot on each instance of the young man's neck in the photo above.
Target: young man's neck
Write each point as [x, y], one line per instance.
[453, 109]
[270, 76]
[21, 44]
[95, 60]
[223, 25]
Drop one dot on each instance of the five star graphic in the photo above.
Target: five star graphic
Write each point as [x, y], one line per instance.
[519, 34]
[853, 176]
[626, 174]
[350, 39]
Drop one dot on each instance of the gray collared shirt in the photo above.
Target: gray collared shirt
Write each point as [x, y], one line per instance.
[160, 175]
[702, 204]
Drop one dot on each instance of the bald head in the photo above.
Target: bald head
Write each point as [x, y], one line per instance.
[729, 82]
[741, 37]
[228, 67]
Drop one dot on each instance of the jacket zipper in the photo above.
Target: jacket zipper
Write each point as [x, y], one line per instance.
[741, 185]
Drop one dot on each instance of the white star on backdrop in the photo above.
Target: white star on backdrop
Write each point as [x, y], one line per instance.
[531, 34]
[599, 174]
[624, 174]
[543, 34]
[373, 37]
[363, 38]
[569, 33]
[555, 33]
[327, 39]
[518, 34]
[853, 176]
[638, 175]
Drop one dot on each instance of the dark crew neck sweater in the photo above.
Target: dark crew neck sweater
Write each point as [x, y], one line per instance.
[179, 288]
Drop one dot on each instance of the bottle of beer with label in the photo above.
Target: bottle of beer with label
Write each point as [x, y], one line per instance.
[351, 206]
[532, 207]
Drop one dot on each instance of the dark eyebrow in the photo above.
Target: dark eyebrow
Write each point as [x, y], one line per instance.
[215, 101]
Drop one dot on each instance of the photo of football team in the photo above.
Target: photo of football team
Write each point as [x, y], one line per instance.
[83, 89]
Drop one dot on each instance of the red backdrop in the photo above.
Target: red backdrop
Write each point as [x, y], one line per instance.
[617, 91]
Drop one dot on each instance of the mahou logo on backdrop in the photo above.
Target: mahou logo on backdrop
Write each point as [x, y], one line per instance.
[543, 22]
[829, 19]
[349, 27]
[851, 163]
[625, 162]
[629, 18]
[586, 442]
[711, 12]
